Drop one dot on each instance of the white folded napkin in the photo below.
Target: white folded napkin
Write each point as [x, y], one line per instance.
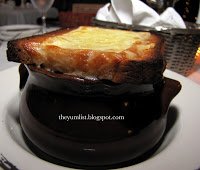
[135, 12]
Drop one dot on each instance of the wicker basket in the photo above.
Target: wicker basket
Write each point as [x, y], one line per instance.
[181, 45]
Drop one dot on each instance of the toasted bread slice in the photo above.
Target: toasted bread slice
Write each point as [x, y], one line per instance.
[116, 55]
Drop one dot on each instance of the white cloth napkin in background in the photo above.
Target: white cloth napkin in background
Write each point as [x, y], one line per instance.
[135, 12]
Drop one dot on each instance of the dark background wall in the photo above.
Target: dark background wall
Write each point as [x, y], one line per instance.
[67, 4]
[188, 9]
[64, 5]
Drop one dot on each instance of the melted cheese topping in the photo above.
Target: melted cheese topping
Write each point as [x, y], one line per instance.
[99, 39]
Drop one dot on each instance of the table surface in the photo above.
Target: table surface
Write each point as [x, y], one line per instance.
[19, 15]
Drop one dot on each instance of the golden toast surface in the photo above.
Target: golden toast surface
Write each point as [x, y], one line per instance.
[98, 39]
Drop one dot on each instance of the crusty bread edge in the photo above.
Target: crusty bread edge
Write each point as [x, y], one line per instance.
[136, 74]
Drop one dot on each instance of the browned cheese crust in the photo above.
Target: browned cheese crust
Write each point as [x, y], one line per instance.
[118, 67]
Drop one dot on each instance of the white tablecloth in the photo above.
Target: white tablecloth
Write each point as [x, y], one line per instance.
[17, 15]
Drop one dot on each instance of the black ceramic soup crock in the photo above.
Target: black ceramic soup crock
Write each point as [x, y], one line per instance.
[138, 113]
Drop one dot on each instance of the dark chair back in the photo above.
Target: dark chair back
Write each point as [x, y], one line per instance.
[70, 19]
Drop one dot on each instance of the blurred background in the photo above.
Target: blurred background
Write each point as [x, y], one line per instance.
[188, 9]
